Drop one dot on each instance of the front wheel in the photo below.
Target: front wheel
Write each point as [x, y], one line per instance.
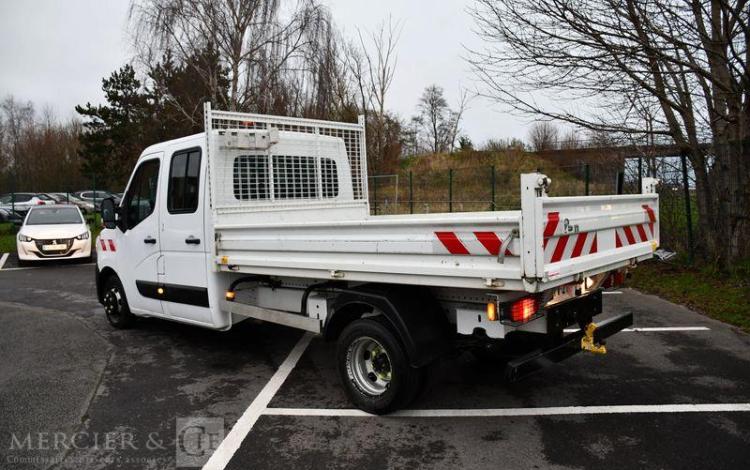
[374, 369]
[116, 305]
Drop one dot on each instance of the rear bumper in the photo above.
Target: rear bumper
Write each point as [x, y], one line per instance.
[568, 346]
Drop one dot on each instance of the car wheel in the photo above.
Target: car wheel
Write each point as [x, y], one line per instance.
[374, 369]
[116, 305]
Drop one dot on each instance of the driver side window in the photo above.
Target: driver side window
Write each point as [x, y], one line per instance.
[140, 200]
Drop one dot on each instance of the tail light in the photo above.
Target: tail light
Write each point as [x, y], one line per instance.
[40, 203]
[523, 309]
[518, 311]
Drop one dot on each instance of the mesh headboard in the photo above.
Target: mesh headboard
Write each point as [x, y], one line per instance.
[352, 134]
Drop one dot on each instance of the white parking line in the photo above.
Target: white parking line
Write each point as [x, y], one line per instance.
[656, 328]
[3, 259]
[242, 427]
[610, 292]
[508, 412]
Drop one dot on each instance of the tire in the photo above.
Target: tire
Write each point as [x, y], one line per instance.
[374, 368]
[116, 305]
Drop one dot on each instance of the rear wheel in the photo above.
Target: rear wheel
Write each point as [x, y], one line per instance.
[374, 369]
[115, 304]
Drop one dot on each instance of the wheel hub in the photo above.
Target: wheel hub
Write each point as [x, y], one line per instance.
[112, 300]
[369, 366]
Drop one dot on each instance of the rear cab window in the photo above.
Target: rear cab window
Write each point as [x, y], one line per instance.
[184, 179]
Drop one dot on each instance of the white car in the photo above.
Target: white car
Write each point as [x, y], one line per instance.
[53, 232]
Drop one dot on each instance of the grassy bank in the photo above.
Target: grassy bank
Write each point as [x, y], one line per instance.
[723, 296]
[7, 238]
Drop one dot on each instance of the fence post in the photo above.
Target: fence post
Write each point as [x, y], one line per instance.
[640, 175]
[688, 211]
[587, 176]
[450, 190]
[375, 194]
[492, 179]
[13, 192]
[620, 181]
[411, 193]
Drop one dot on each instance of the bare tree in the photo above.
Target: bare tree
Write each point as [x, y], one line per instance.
[262, 50]
[433, 108]
[440, 125]
[570, 140]
[543, 136]
[36, 150]
[373, 64]
[601, 63]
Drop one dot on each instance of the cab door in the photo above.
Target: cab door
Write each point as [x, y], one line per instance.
[138, 244]
[183, 243]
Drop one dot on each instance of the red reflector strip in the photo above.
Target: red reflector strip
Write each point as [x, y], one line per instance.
[560, 248]
[642, 233]
[112, 245]
[553, 218]
[650, 213]
[490, 241]
[104, 246]
[629, 235]
[578, 248]
[451, 243]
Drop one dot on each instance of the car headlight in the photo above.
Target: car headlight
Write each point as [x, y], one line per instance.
[83, 236]
[24, 238]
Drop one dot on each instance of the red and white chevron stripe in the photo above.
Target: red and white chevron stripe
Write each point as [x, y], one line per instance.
[632, 234]
[473, 243]
[638, 233]
[558, 248]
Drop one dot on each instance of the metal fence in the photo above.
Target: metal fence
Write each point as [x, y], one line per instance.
[488, 188]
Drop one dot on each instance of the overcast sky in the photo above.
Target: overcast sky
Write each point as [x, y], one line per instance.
[55, 53]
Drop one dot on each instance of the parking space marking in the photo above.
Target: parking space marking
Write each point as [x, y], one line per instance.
[656, 329]
[610, 292]
[510, 412]
[3, 259]
[242, 427]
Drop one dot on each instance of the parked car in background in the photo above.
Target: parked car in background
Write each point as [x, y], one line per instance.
[22, 202]
[70, 198]
[59, 198]
[96, 197]
[53, 232]
[7, 215]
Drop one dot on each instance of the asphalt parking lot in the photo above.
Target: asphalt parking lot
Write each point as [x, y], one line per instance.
[672, 393]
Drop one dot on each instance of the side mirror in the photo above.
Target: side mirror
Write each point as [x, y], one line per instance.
[109, 213]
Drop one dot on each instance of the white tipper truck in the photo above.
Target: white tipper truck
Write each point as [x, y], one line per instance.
[267, 217]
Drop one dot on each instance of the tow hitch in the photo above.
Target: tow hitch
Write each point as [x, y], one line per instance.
[589, 343]
[590, 339]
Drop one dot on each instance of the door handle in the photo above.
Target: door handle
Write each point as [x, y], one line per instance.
[149, 240]
[191, 240]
